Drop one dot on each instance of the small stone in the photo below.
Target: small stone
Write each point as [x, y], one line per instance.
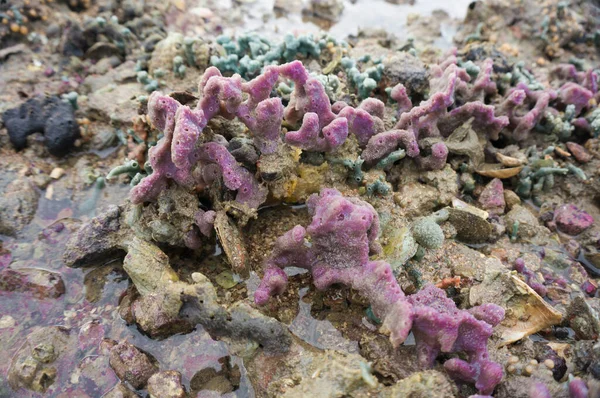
[166, 384]
[589, 288]
[511, 199]
[7, 321]
[513, 359]
[225, 279]
[492, 197]
[579, 152]
[571, 220]
[131, 365]
[57, 172]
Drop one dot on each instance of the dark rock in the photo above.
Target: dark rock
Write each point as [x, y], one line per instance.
[50, 116]
[73, 42]
[243, 151]
[408, 70]
[41, 283]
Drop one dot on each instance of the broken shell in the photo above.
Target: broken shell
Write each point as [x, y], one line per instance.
[508, 161]
[494, 171]
[231, 240]
[459, 204]
[561, 152]
[526, 312]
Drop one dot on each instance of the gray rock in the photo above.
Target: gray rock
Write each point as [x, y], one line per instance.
[403, 68]
[18, 205]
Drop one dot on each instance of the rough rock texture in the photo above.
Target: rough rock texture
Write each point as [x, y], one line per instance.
[38, 282]
[166, 384]
[427, 384]
[17, 206]
[492, 197]
[572, 220]
[36, 364]
[130, 364]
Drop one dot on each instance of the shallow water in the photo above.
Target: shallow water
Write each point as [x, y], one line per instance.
[262, 16]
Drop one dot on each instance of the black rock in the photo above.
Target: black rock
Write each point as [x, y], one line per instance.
[50, 116]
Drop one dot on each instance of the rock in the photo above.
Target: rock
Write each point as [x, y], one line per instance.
[526, 312]
[18, 205]
[98, 239]
[166, 384]
[164, 52]
[392, 363]
[427, 384]
[35, 366]
[115, 102]
[470, 226]
[330, 10]
[95, 374]
[402, 67]
[51, 116]
[511, 199]
[91, 335]
[153, 315]
[220, 382]
[527, 224]
[334, 375]
[124, 73]
[583, 315]
[132, 365]
[586, 356]
[492, 197]
[519, 386]
[38, 282]
[417, 199]
[120, 391]
[579, 152]
[571, 220]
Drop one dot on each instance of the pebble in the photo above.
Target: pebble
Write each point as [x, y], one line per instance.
[57, 172]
